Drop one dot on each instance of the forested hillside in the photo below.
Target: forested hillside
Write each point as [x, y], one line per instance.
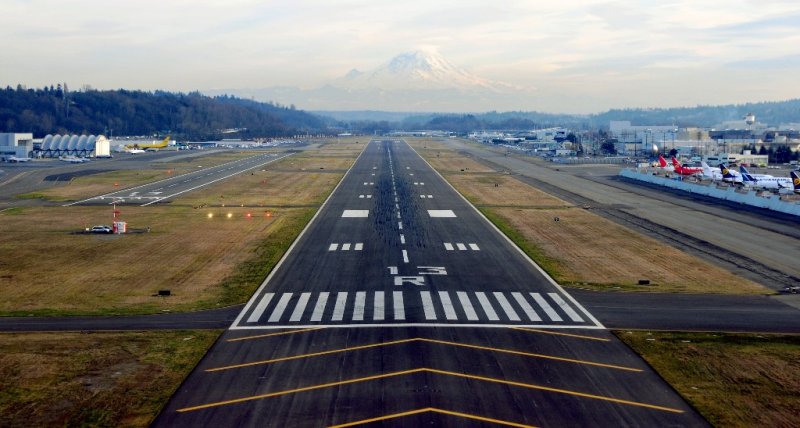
[122, 112]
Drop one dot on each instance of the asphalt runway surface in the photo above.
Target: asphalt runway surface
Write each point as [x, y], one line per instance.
[400, 305]
[164, 190]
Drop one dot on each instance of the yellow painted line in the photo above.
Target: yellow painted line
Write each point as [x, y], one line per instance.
[435, 410]
[294, 391]
[557, 390]
[556, 333]
[532, 355]
[419, 339]
[315, 354]
[427, 370]
[260, 336]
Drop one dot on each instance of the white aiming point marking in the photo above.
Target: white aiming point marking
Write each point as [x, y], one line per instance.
[440, 213]
[356, 213]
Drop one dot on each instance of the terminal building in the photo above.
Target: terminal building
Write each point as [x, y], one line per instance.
[18, 145]
[75, 145]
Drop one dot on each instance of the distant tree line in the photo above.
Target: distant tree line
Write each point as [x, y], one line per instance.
[193, 116]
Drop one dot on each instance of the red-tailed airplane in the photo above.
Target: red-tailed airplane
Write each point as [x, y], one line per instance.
[662, 163]
[685, 170]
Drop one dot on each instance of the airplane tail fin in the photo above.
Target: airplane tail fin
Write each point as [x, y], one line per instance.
[661, 161]
[675, 163]
[706, 168]
[795, 181]
[164, 142]
[726, 173]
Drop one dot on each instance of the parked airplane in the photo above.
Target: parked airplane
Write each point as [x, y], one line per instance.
[142, 147]
[662, 164]
[730, 176]
[72, 159]
[709, 173]
[795, 181]
[685, 170]
[765, 181]
[18, 159]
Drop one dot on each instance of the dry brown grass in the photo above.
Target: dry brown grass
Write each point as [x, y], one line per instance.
[45, 269]
[93, 379]
[734, 380]
[481, 190]
[590, 249]
[186, 252]
[582, 248]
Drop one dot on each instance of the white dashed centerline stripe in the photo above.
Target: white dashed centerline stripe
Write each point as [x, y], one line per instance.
[300, 308]
[358, 310]
[259, 310]
[319, 309]
[532, 315]
[280, 307]
[405, 256]
[427, 305]
[377, 306]
[399, 309]
[487, 307]
[449, 310]
[507, 308]
[402, 239]
[545, 306]
[400, 225]
[565, 307]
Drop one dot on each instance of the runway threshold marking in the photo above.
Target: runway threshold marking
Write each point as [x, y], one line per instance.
[432, 371]
[261, 336]
[556, 333]
[425, 340]
[432, 410]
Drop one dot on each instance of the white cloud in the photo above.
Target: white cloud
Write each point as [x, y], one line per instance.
[581, 49]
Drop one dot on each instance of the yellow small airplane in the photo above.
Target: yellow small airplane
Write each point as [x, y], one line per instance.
[153, 146]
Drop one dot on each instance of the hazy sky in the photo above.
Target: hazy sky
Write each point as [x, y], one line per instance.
[581, 56]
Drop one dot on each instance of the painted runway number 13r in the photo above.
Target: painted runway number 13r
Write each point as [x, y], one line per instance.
[418, 279]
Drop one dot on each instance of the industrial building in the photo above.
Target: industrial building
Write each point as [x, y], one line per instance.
[75, 145]
[18, 145]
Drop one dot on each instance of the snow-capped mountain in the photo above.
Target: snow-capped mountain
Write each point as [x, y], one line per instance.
[414, 81]
[416, 70]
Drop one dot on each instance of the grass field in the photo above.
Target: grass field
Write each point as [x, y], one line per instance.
[93, 379]
[203, 246]
[734, 380]
[576, 249]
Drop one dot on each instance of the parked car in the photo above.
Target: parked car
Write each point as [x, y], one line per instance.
[101, 229]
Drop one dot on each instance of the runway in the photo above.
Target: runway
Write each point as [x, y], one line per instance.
[164, 190]
[400, 304]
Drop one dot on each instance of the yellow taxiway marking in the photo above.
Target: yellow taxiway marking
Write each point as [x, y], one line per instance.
[435, 371]
[420, 339]
[556, 333]
[260, 336]
[434, 410]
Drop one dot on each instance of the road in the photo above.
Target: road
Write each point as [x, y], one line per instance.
[400, 304]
